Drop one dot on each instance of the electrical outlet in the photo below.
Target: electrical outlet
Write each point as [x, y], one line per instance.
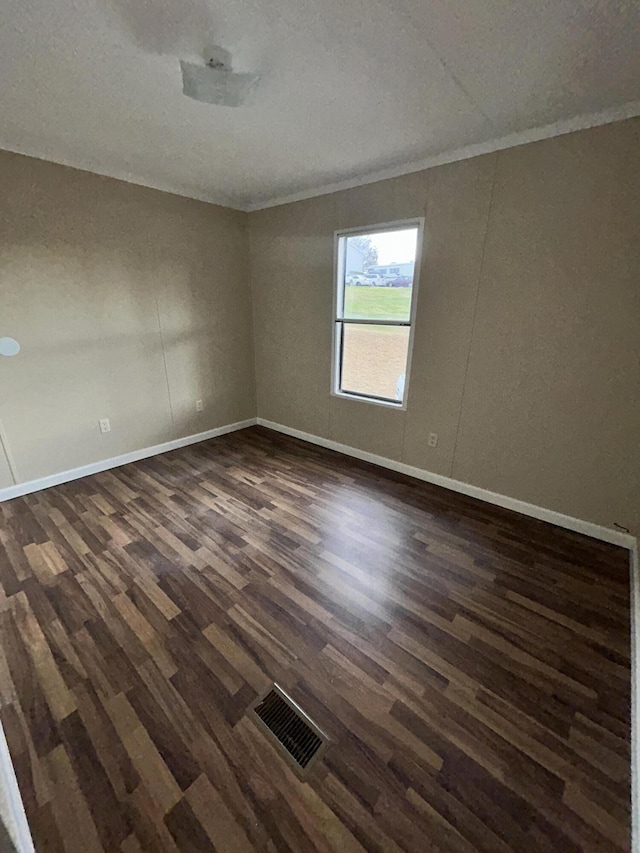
[199, 406]
[433, 439]
[105, 426]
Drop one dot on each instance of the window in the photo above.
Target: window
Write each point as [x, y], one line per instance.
[374, 316]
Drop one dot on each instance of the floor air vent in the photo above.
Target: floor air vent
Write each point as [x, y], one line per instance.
[293, 732]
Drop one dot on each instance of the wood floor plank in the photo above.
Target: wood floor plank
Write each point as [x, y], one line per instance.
[223, 830]
[471, 666]
[144, 754]
[71, 810]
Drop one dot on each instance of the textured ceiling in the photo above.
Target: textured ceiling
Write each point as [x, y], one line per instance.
[350, 88]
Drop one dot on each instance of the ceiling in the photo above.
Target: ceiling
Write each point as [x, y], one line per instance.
[351, 90]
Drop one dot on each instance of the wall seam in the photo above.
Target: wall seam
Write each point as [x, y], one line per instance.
[4, 444]
[252, 312]
[475, 313]
[166, 369]
[423, 253]
[337, 218]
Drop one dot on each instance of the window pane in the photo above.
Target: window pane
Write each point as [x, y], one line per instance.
[378, 302]
[374, 360]
[373, 289]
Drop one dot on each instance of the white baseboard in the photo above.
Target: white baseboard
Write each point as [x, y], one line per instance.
[606, 534]
[12, 812]
[16, 816]
[115, 461]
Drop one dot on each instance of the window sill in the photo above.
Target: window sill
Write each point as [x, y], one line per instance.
[357, 398]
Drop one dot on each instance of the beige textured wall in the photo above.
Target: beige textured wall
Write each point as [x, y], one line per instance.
[129, 304]
[527, 346]
[5, 472]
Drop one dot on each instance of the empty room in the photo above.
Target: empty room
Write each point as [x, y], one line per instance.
[319, 426]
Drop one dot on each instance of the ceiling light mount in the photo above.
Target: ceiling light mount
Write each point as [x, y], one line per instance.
[216, 82]
[219, 58]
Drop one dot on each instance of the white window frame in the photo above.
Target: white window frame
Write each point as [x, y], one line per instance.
[338, 320]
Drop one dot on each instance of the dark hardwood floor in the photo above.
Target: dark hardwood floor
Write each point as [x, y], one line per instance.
[470, 665]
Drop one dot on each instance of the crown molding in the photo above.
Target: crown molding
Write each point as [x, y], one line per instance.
[535, 134]
[126, 177]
